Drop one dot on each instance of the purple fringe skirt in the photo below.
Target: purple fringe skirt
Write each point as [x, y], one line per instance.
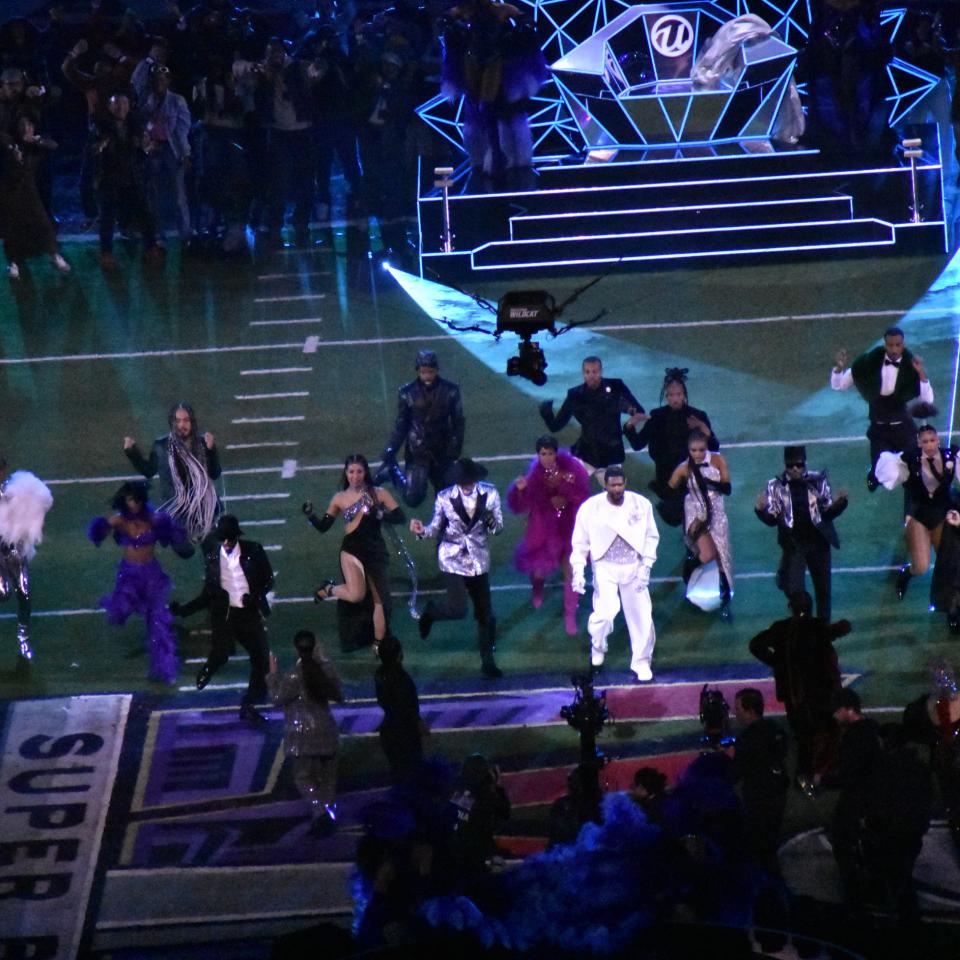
[144, 588]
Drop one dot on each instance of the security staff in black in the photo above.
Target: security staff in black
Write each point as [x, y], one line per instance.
[597, 405]
[431, 424]
[237, 579]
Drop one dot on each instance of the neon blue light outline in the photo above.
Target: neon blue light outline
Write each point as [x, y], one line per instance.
[523, 217]
[763, 100]
[929, 80]
[680, 233]
[692, 255]
[556, 191]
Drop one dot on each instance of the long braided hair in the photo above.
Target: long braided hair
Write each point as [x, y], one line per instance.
[194, 501]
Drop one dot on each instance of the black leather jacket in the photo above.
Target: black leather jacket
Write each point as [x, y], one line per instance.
[429, 420]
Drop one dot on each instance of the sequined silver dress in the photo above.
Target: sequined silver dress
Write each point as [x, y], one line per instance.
[695, 508]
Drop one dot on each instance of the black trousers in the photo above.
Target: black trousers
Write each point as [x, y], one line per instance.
[800, 555]
[454, 605]
[417, 471]
[893, 437]
[242, 625]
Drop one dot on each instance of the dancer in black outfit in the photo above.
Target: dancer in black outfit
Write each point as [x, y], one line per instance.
[237, 579]
[363, 553]
[430, 426]
[665, 433]
[927, 496]
[597, 405]
[888, 378]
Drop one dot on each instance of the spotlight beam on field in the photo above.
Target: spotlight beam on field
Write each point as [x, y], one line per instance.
[640, 367]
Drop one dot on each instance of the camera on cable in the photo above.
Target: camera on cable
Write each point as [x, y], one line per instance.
[526, 312]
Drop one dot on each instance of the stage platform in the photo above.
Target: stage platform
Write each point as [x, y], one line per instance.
[653, 209]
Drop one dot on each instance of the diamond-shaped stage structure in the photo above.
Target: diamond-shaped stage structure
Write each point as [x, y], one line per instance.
[629, 85]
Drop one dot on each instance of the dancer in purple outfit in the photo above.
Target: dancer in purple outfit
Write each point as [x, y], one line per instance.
[551, 492]
[142, 586]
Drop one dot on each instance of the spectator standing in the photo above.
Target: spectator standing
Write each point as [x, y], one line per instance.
[119, 180]
[26, 227]
[283, 100]
[166, 120]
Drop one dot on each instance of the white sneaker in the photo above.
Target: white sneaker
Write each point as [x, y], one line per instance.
[596, 658]
[13, 271]
[60, 263]
[644, 673]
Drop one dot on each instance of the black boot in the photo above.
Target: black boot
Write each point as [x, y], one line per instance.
[725, 594]
[903, 580]
[872, 481]
[488, 666]
[425, 623]
[690, 563]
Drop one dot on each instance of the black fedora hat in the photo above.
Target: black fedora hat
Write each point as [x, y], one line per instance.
[466, 470]
[228, 528]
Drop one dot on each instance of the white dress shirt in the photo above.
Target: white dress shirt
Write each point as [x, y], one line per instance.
[232, 578]
[888, 381]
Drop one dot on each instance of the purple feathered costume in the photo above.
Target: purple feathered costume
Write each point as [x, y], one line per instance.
[493, 60]
[144, 588]
[546, 540]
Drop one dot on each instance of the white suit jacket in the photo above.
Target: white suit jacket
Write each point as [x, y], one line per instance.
[599, 522]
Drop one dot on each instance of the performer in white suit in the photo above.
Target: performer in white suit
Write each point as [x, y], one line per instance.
[617, 530]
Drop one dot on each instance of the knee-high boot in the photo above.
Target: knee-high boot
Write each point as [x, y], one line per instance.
[486, 636]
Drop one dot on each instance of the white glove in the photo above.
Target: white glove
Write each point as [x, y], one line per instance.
[643, 577]
[578, 583]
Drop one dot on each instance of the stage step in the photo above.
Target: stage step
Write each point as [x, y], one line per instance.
[651, 207]
[682, 244]
[700, 216]
[618, 171]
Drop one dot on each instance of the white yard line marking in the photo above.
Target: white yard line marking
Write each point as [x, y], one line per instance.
[298, 296]
[266, 443]
[138, 354]
[270, 371]
[289, 419]
[497, 458]
[262, 523]
[502, 587]
[285, 323]
[374, 341]
[255, 496]
[293, 276]
[271, 396]
[272, 547]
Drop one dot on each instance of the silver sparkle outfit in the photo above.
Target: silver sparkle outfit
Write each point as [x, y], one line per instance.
[463, 546]
[695, 508]
[24, 500]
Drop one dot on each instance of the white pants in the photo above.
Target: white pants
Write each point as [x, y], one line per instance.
[615, 585]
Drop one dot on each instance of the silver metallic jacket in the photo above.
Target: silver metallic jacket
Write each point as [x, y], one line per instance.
[779, 504]
[463, 540]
